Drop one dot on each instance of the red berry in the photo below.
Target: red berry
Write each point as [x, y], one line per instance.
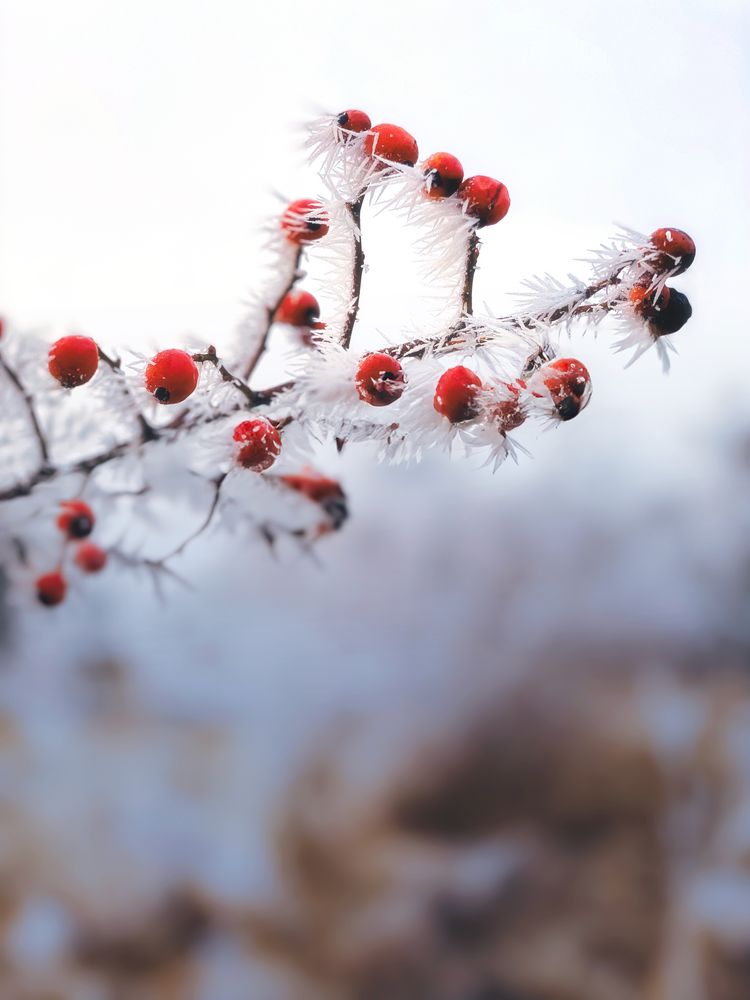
[568, 384]
[260, 444]
[456, 394]
[678, 249]
[354, 121]
[73, 360]
[298, 309]
[76, 519]
[51, 588]
[485, 199]
[380, 379]
[304, 221]
[90, 558]
[443, 174]
[321, 490]
[392, 143]
[2, 327]
[171, 376]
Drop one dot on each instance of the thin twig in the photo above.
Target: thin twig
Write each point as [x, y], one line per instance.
[252, 362]
[523, 323]
[354, 209]
[472, 257]
[30, 409]
[210, 357]
[148, 433]
[217, 484]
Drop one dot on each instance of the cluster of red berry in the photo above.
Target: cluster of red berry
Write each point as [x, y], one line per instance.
[482, 198]
[76, 522]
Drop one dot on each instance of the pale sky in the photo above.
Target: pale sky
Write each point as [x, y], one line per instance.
[142, 143]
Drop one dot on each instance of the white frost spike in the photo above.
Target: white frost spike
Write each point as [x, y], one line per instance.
[343, 165]
[283, 259]
[635, 334]
[336, 253]
[324, 392]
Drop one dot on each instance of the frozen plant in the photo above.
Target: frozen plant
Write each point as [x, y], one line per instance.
[87, 434]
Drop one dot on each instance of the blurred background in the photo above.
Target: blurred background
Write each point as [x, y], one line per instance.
[493, 741]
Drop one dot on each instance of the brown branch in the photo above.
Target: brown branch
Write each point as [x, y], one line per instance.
[210, 357]
[472, 257]
[85, 465]
[456, 336]
[30, 410]
[452, 341]
[354, 209]
[257, 354]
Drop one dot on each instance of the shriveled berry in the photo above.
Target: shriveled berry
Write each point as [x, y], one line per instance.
[354, 120]
[90, 557]
[380, 379]
[485, 199]
[51, 589]
[76, 519]
[259, 444]
[456, 394]
[674, 315]
[304, 221]
[677, 249]
[392, 143]
[298, 309]
[73, 360]
[171, 376]
[443, 174]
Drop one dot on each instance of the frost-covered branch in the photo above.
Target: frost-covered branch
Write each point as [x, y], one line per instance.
[159, 426]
